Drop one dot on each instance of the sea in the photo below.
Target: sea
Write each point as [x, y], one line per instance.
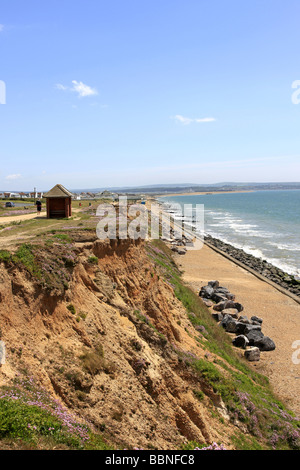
[265, 224]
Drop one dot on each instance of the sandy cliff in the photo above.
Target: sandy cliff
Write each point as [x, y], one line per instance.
[105, 347]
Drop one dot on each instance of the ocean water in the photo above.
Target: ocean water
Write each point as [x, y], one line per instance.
[265, 224]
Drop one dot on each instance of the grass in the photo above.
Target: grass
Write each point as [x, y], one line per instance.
[25, 256]
[35, 227]
[71, 309]
[5, 256]
[199, 394]
[21, 421]
[50, 264]
[30, 417]
[63, 237]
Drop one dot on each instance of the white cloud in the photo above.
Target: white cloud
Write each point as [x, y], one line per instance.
[13, 177]
[186, 121]
[1, 27]
[205, 120]
[80, 88]
[183, 120]
[59, 86]
[83, 90]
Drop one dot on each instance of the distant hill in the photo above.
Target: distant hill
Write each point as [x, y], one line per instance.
[188, 187]
[178, 188]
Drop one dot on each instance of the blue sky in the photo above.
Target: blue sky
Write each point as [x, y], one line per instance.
[130, 92]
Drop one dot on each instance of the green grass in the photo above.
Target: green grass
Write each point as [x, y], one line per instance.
[246, 442]
[5, 256]
[63, 237]
[37, 227]
[28, 415]
[21, 421]
[71, 309]
[25, 256]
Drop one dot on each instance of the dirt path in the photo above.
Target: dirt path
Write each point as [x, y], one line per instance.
[17, 218]
[280, 314]
[8, 241]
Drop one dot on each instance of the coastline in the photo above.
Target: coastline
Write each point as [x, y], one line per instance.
[261, 296]
[280, 314]
[263, 268]
[204, 193]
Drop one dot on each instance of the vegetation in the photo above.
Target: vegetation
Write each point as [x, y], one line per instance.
[71, 309]
[51, 268]
[93, 360]
[145, 319]
[5, 256]
[63, 237]
[32, 419]
[247, 394]
[29, 416]
[25, 256]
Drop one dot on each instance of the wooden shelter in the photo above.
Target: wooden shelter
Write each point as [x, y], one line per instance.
[59, 202]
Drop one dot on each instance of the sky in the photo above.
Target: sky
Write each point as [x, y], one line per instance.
[97, 94]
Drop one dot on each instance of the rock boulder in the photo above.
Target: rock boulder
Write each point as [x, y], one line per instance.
[252, 354]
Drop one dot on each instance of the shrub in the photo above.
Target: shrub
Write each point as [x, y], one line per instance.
[72, 309]
[25, 255]
[93, 361]
[27, 412]
[5, 256]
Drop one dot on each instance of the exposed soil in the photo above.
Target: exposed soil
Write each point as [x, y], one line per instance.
[135, 387]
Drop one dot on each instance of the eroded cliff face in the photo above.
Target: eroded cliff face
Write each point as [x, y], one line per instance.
[106, 347]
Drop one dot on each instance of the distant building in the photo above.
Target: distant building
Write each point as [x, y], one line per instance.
[107, 195]
[133, 197]
[22, 195]
[10, 195]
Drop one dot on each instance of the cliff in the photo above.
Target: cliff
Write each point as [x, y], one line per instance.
[108, 330]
